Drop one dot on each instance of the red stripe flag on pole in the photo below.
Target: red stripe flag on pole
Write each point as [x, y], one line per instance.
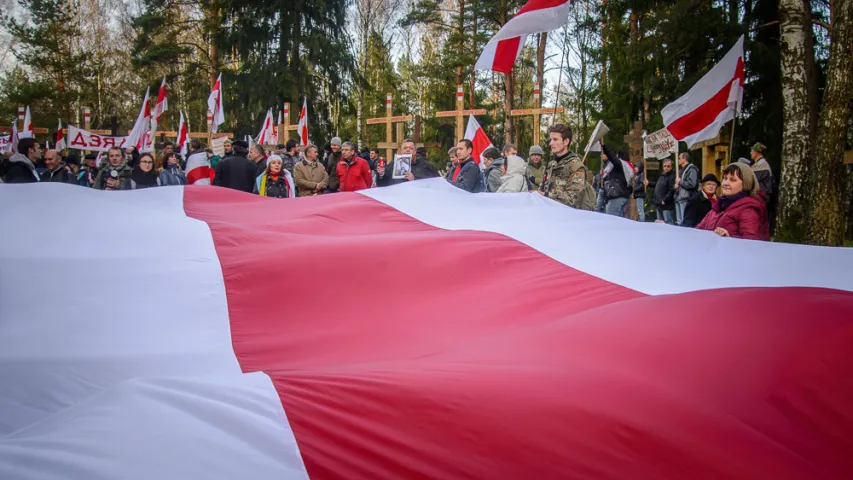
[214, 104]
[303, 124]
[478, 137]
[162, 104]
[714, 100]
[60, 137]
[183, 135]
[500, 56]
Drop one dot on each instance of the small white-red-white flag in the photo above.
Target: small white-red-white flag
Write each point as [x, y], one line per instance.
[162, 104]
[141, 132]
[714, 100]
[198, 169]
[478, 137]
[60, 137]
[183, 135]
[500, 56]
[28, 123]
[275, 130]
[214, 104]
[12, 147]
[264, 136]
[303, 124]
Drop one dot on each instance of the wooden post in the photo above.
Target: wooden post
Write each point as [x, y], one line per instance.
[87, 118]
[20, 118]
[389, 145]
[459, 113]
[715, 155]
[209, 126]
[114, 126]
[537, 113]
[285, 127]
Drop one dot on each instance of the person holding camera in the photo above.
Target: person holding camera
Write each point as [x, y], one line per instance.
[115, 175]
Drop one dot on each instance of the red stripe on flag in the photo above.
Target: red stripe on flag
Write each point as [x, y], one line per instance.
[705, 114]
[539, 5]
[400, 350]
[197, 174]
[505, 54]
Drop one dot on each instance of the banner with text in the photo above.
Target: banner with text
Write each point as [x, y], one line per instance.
[84, 140]
[660, 144]
[4, 143]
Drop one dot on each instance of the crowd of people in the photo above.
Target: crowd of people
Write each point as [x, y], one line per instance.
[677, 196]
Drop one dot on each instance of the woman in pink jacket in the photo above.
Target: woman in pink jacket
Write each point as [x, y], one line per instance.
[741, 212]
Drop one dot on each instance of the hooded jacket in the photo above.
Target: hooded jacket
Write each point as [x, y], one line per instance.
[745, 217]
[639, 189]
[19, 169]
[514, 180]
[492, 174]
[469, 178]
[173, 175]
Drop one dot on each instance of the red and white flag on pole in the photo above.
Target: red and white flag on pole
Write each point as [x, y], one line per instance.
[142, 128]
[60, 137]
[184, 135]
[534, 17]
[500, 56]
[265, 135]
[162, 104]
[478, 137]
[275, 130]
[303, 123]
[214, 104]
[198, 169]
[12, 147]
[714, 100]
[28, 123]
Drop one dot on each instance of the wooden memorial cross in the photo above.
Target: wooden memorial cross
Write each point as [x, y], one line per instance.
[460, 112]
[21, 124]
[634, 140]
[285, 127]
[715, 155]
[537, 115]
[389, 145]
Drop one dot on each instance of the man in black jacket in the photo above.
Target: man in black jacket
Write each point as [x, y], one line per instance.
[236, 172]
[421, 166]
[664, 196]
[56, 169]
[20, 167]
[615, 183]
[385, 175]
[469, 177]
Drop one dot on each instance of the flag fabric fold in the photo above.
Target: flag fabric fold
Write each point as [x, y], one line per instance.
[198, 169]
[28, 123]
[714, 100]
[60, 137]
[183, 135]
[536, 16]
[141, 133]
[501, 56]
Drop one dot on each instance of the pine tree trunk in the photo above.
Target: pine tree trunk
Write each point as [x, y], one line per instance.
[540, 66]
[827, 181]
[508, 81]
[796, 112]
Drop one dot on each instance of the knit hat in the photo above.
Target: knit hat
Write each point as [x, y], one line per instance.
[536, 150]
[710, 178]
[336, 141]
[750, 184]
[759, 147]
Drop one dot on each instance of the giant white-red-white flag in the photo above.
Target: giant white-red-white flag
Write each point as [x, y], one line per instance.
[141, 132]
[183, 135]
[478, 137]
[302, 128]
[198, 169]
[714, 100]
[214, 104]
[234, 373]
[60, 137]
[534, 17]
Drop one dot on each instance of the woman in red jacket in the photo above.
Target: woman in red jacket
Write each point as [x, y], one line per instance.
[353, 172]
[741, 212]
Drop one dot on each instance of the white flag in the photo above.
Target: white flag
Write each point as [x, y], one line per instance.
[303, 124]
[60, 137]
[141, 129]
[28, 122]
[183, 136]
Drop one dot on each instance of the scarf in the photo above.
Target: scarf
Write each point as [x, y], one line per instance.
[711, 198]
[148, 179]
[726, 201]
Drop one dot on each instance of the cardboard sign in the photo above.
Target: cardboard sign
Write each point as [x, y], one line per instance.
[4, 142]
[83, 140]
[660, 144]
[218, 146]
[600, 131]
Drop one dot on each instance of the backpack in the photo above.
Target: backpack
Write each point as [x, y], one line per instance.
[586, 198]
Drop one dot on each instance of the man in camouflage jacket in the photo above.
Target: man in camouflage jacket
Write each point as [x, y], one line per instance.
[566, 173]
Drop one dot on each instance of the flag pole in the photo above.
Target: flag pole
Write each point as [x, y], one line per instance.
[559, 81]
[732, 140]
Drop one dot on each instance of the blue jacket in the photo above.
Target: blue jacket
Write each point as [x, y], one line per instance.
[173, 175]
[470, 178]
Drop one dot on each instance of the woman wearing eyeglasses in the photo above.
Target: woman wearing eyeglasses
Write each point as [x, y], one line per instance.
[144, 176]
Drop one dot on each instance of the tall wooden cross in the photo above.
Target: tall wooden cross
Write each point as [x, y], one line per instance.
[460, 112]
[21, 124]
[389, 145]
[537, 114]
[285, 126]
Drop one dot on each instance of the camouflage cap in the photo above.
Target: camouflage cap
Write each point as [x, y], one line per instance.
[536, 150]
